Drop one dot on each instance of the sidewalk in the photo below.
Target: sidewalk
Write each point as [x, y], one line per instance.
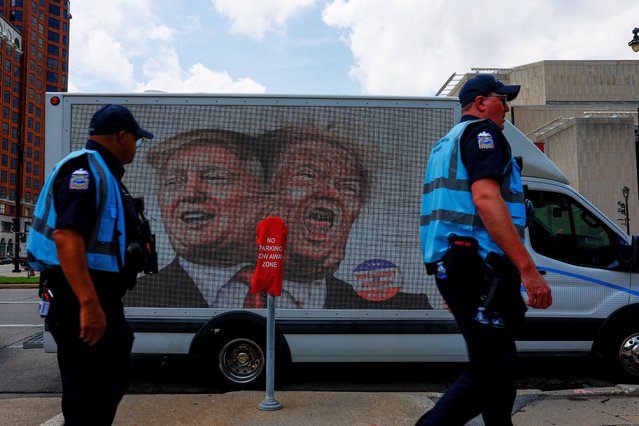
[584, 407]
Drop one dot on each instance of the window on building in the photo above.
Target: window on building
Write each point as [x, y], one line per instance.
[29, 152]
[28, 166]
[5, 128]
[53, 49]
[3, 177]
[54, 23]
[14, 164]
[36, 140]
[5, 144]
[52, 77]
[15, 15]
[52, 63]
[36, 170]
[36, 185]
[51, 88]
[53, 36]
[12, 194]
[6, 111]
[38, 112]
[36, 155]
[54, 10]
[4, 160]
[3, 193]
[12, 179]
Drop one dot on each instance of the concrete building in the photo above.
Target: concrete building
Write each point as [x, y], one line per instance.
[583, 115]
[34, 43]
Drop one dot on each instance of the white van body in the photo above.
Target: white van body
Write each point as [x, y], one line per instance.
[586, 258]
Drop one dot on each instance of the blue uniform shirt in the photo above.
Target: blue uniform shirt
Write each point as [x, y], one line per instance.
[486, 162]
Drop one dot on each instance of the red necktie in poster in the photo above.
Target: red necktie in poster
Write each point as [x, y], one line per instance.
[271, 242]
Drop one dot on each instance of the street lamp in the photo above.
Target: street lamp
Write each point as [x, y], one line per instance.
[634, 43]
[623, 208]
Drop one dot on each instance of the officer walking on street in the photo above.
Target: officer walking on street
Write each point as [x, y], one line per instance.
[86, 241]
[472, 225]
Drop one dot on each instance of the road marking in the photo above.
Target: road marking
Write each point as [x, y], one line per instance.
[20, 325]
[54, 421]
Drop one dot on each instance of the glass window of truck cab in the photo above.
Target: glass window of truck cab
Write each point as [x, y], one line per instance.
[562, 229]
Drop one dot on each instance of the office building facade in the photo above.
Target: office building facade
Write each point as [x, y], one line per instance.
[583, 115]
[34, 40]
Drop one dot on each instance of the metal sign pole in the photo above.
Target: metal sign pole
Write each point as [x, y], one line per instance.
[270, 403]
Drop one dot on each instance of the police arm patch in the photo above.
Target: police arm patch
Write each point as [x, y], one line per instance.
[79, 180]
[485, 141]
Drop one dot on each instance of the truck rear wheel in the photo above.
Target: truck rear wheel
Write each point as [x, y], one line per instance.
[241, 361]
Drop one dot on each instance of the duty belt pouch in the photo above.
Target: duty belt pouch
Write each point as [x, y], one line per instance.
[463, 255]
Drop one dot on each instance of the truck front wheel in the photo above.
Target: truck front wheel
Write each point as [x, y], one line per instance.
[622, 354]
[241, 361]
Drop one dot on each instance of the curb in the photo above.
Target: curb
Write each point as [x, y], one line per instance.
[19, 285]
[618, 390]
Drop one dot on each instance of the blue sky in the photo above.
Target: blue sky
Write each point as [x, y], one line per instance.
[340, 47]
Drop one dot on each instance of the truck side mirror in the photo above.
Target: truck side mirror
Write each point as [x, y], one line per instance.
[634, 261]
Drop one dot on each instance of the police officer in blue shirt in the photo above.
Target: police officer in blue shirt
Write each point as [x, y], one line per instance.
[84, 240]
[472, 226]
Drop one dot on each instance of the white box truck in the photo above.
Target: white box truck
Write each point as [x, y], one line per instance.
[346, 175]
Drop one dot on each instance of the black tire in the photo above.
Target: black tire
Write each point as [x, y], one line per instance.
[621, 354]
[240, 361]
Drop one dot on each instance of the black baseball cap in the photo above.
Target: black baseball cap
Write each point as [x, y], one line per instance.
[484, 85]
[111, 119]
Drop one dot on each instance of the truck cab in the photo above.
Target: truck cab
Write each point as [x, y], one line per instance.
[589, 262]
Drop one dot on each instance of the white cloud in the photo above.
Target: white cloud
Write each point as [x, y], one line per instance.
[167, 75]
[254, 18]
[106, 36]
[411, 48]
[121, 45]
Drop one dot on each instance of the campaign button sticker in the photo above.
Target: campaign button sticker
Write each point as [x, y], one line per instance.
[377, 280]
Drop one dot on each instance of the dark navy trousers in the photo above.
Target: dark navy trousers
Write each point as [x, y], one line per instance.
[487, 387]
[94, 378]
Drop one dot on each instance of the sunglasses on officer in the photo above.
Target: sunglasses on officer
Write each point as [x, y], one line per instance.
[502, 98]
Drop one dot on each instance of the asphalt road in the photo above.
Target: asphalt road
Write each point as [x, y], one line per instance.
[33, 372]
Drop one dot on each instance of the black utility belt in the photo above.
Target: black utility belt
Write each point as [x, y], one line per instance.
[463, 254]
